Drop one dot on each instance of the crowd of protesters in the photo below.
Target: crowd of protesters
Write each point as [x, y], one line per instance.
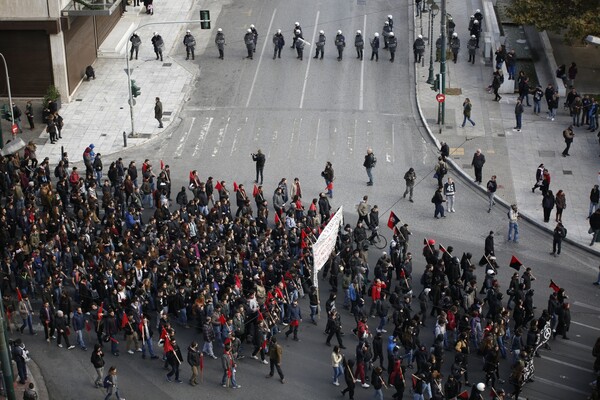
[117, 256]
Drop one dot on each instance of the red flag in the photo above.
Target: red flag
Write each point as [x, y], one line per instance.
[515, 263]
[463, 395]
[392, 220]
[255, 191]
[554, 286]
[260, 316]
[162, 165]
[330, 186]
[222, 319]
[264, 344]
[167, 347]
[88, 327]
[235, 186]
[414, 381]
[100, 311]
[191, 176]
[163, 334]
[302, 239]
[442, 249]
[218, 186]
[277, 219]
[141, 326]
[19, 295]
[402, 273]
[124, 321]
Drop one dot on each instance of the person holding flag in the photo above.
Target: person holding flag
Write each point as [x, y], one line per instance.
[228, 364]
[131, 337]
[174, 357]
[111, 328]
[145, 331]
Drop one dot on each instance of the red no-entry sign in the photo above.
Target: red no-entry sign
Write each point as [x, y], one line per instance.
[440, 97]
[14, 129]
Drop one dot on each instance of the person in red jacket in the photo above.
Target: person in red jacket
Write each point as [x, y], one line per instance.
[376, 289]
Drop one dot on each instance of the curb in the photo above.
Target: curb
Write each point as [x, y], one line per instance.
[525, 216]
[40, 383]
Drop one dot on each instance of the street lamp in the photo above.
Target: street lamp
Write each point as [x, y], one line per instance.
[433, 11]
[10, 106]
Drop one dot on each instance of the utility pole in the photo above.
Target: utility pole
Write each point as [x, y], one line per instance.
[7, 373]
[441, 105]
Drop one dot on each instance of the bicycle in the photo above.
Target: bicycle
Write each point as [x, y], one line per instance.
[377, 239]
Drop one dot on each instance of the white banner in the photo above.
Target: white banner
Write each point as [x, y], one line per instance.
[326, 243]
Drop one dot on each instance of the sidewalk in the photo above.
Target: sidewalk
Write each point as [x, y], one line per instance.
[99, 112]
[514, 156]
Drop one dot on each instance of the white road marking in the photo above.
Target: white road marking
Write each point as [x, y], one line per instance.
[585, 326]
[202, 136]
[261, 57]
[273, 141]
[362, 71]
[545, 357]
[317, 138]
[309, 59]
[233, 148]
[589, 307]
[558, 385]
[393, 145]
[222, 133]
[181, 146]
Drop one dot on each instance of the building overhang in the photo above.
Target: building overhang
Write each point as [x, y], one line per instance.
[80, 8]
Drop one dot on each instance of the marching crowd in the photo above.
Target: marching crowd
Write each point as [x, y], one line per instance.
[115, 256]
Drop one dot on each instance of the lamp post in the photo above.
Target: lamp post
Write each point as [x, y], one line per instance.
[10, 106]
[433, 10]
[441, 106]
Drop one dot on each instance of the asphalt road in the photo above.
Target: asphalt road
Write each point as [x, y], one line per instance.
[302, 114]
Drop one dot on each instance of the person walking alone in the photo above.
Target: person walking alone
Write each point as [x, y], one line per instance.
[369, 164]
[450, 192]
[158, 112]
[111, 384]
[513, 223]
[467, 106]
[518, 114]
[568, 135]
[220, 42]
[560, 232]
[409, 177]
[491, 186]
[260, 159]
[275, 358]
[477, 163]
[97, 360]
[193, 358]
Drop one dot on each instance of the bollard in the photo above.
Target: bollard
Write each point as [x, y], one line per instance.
[124, 139]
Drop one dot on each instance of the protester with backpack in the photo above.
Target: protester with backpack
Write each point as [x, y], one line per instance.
[369, 164]
[111, 384]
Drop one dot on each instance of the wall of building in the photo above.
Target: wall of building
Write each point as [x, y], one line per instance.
[29, 9]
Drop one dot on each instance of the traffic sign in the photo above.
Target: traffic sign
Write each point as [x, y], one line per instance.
[440, 97]
[14, 129]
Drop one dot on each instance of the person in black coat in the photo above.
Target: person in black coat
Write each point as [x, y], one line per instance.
[564, 320]
[349, 378]
[174, 360]
[489, 245]
[548, 204]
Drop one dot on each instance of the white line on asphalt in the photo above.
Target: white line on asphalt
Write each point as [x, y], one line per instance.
[261, 57]
[576, 344]
[273, 141]
[580, 304]
[317, 138]
[181, 146]
[222, 133]
[393, 145]
[202, 136]
[236, 135]
[566, 364]
[585, 326]
[362, 71]
[309, 59]
[559, 385]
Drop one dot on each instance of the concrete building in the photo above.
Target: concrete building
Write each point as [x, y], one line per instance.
[51, 42]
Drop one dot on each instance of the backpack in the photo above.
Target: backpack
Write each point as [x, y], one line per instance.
[374, 162]
[107, 382]
[564, 234]
[501, 78]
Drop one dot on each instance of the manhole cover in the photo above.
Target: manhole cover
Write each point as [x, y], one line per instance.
[567, 172]
[502, 134]
[167, 64]
[168, 113]
[546, 153]
[78, 99]
[453, 91]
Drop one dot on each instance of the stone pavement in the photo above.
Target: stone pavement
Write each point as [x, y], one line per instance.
[99, 111]
[514, 156]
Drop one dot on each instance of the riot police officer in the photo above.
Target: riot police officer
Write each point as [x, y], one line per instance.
[340, 43]
[386, 33]
[300, 46]
[278, 43]
[254, 35]
[419, 48]
[359, 43]
[375, 47]
[472, 46]
[220, 42]
[190, 44]
[249, 42]
[320, 45]
[296, 28]
[455, 46]
[392, 44]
